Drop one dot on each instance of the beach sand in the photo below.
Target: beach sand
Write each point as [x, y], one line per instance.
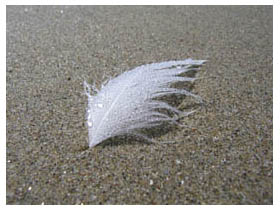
[224, 157]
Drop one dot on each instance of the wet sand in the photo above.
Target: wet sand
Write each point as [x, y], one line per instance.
[224, 157]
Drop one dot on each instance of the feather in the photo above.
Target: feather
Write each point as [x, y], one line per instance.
[129, 102]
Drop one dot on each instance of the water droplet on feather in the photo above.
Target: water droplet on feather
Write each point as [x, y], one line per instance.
[89, 123]
[99, 105]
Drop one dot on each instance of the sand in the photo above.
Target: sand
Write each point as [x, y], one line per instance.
[224, 157]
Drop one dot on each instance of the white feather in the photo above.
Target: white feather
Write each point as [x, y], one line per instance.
[127, 103]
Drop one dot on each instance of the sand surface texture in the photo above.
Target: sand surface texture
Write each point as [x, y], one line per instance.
[224, 157]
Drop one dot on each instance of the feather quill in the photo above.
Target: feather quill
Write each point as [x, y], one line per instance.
[129, 102]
